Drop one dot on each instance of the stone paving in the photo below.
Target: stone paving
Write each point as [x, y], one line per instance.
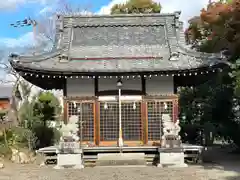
[33, 172]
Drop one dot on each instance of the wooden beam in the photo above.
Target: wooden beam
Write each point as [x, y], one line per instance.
[80, 98]
[161, 97]
[115, 92]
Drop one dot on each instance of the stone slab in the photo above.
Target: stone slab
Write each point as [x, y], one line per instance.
[69, 160]
[121, 159]
[173, 165]
[170, 150]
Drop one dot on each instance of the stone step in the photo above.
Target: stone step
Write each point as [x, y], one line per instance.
[121, 159]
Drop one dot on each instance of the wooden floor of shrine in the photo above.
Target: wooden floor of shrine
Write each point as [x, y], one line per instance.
[90, 154]
[110, 149]
[102, 149]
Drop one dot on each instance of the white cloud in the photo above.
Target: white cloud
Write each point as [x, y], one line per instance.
[106, 9]
[188, 8]
[12, 4]
[46, 10]
[25, 40]
[28, 40]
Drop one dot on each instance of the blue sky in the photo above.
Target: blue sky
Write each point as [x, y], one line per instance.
[32, 9]
[13, 10]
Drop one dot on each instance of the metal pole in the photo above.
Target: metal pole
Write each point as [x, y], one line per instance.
[120, 140]
[81, 124]
[160, 118]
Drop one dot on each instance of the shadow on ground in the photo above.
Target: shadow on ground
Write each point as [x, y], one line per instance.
[222, 161]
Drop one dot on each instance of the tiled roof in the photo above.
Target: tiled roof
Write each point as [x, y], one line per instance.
[118, 43]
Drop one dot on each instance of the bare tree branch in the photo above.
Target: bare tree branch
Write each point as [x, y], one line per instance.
[45, 28]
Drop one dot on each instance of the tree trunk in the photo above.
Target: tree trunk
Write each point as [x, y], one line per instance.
[5, 137]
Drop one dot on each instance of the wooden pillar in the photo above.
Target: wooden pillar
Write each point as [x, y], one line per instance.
[96, 123]
[144, 121]
[175, 110]
[143, 80]
[65, 111]
[65, 102]
[96, 114]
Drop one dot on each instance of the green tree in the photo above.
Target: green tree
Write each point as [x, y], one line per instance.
[47, 107]
[3, 114]
[136, 7]
[36, 114]
[216, 29]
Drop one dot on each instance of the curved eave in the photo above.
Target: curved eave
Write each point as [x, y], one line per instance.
[24, 68]
[57, 79]
[40, 81]
[46, 83]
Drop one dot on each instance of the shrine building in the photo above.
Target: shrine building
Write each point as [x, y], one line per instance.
[140, 59]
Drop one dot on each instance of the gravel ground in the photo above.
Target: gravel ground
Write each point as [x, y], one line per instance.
[33, 172]
[228, 168]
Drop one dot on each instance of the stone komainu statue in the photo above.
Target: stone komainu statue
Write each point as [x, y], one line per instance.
[171, 137]
[69, 141]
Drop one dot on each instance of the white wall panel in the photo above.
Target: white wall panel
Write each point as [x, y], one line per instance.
[159, 85]
[80, 87]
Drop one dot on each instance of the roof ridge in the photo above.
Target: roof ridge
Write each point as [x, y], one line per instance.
[176, 13]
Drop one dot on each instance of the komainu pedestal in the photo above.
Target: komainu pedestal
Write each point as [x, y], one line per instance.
[69, 152]
[171, 157]
[69, 156]
[171, 153]
[69, 160]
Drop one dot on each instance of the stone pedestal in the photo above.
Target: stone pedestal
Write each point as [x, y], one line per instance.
[171, 157]
[69, 160]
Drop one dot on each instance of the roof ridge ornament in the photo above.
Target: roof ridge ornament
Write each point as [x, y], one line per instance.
[63, 58]
[174, 56]
[183, 49]
[177, 18]
[177, 14]
[14, 57]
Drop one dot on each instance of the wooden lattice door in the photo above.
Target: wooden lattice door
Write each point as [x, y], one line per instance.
[155, 110]
[85, 113]
[109, 122]
[131, 121]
